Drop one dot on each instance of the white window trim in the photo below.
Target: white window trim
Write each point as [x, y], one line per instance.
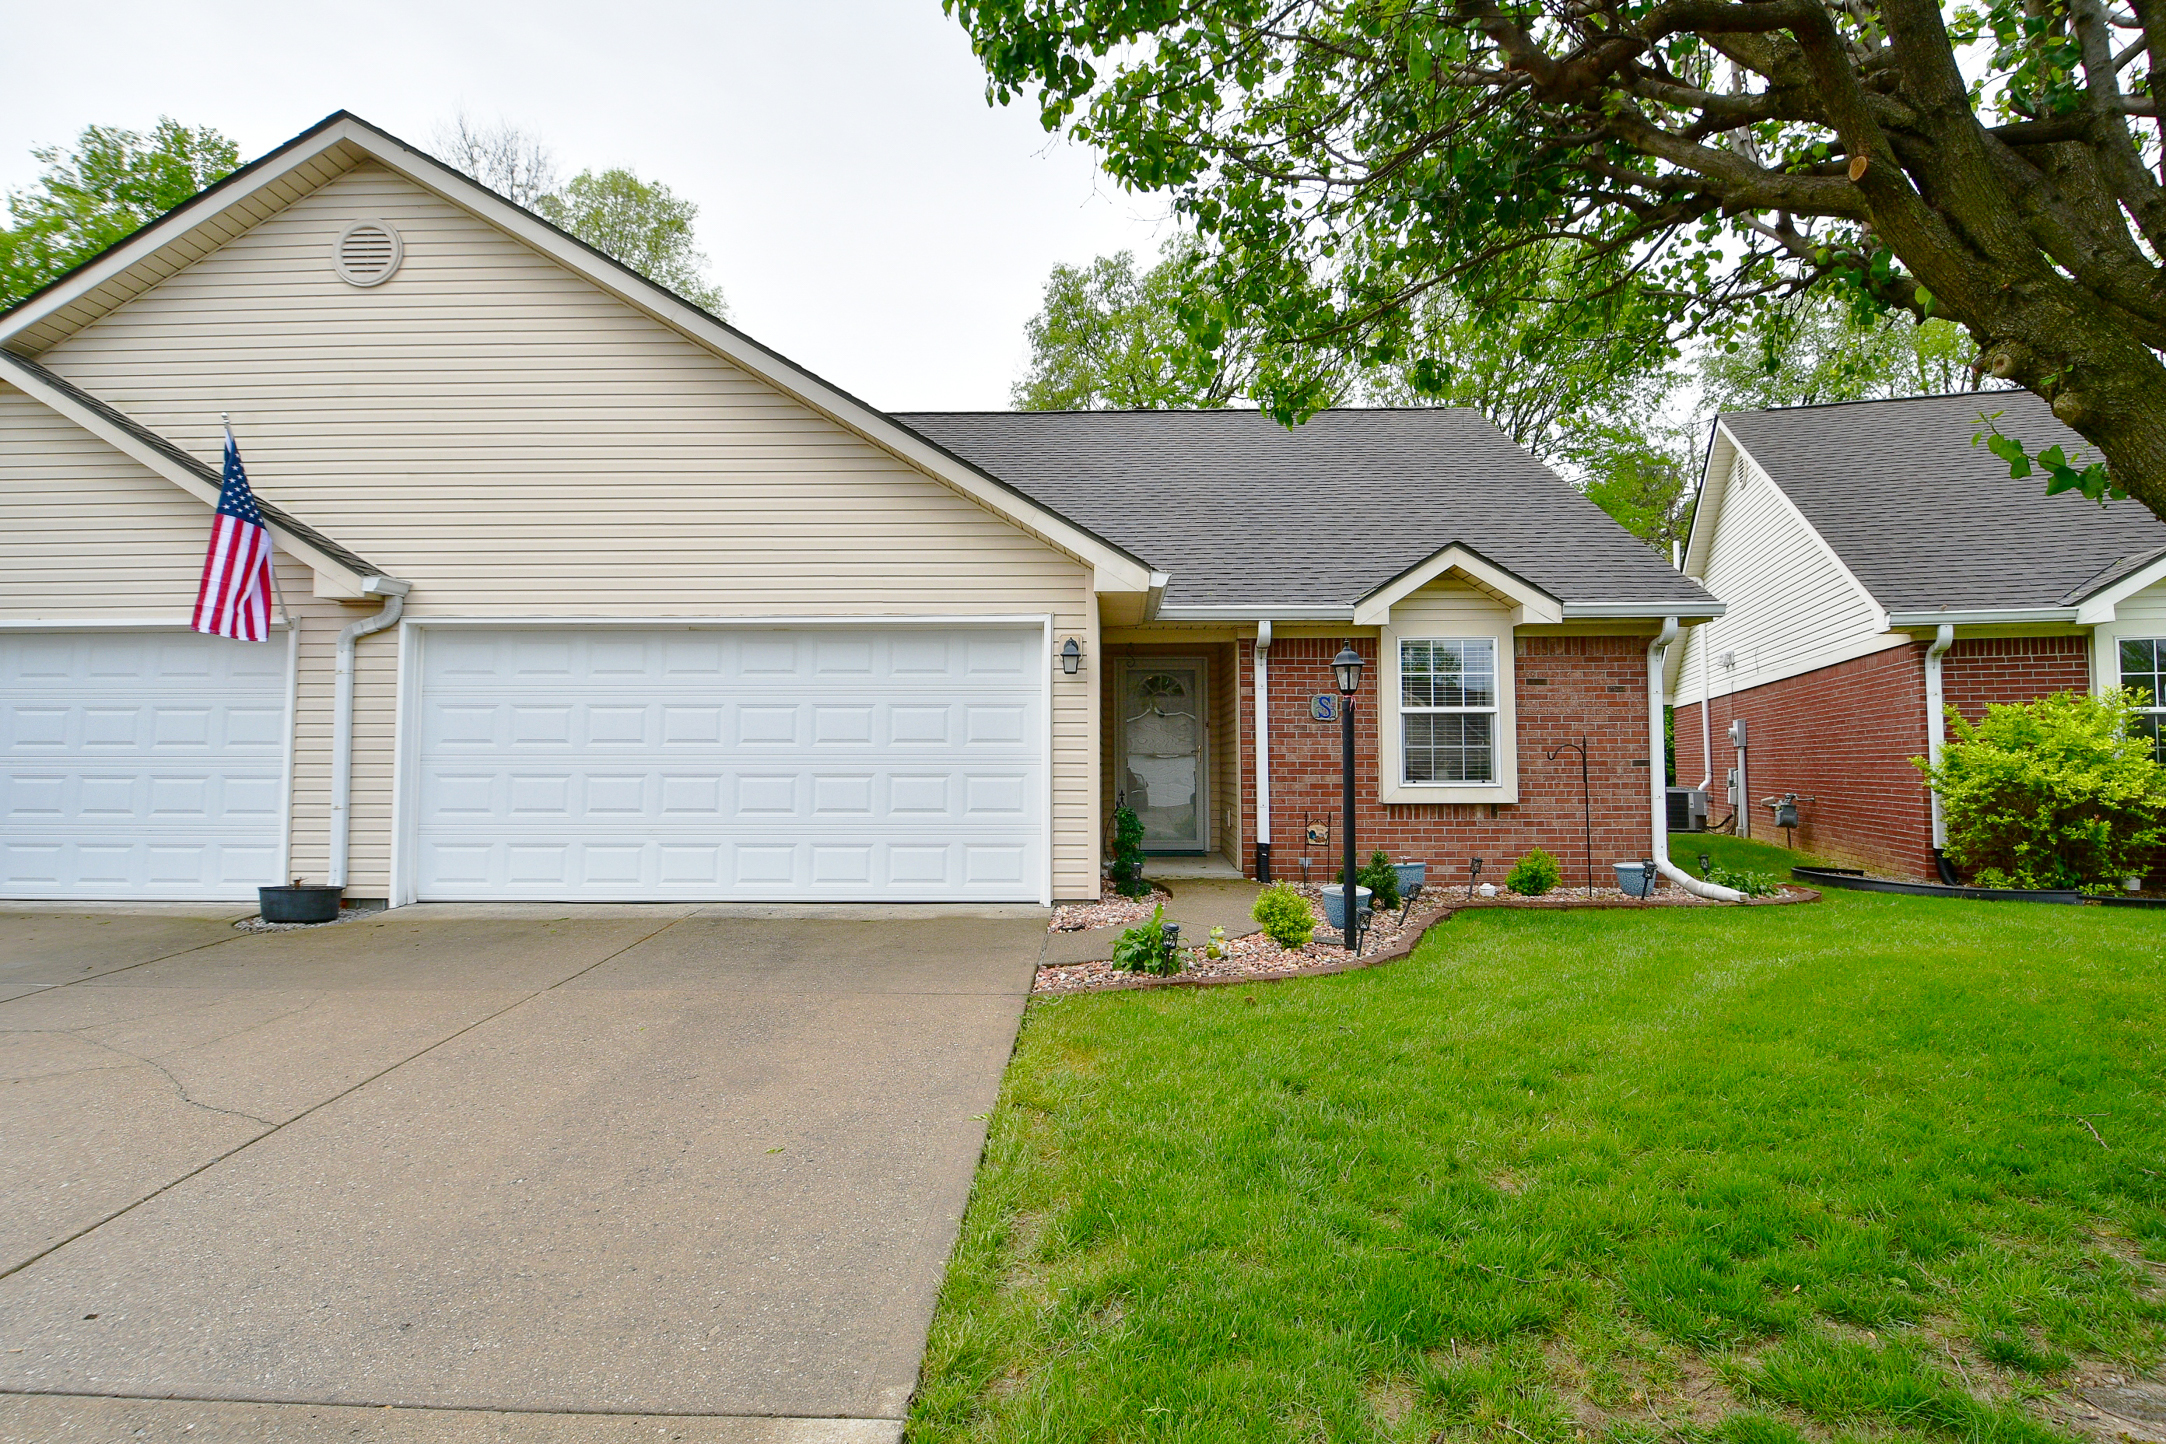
[1391, 757]
[2112, 647]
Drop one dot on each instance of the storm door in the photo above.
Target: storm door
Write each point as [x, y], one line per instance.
[1163, 771]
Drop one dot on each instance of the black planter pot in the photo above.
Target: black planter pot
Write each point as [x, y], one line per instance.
[298, 904]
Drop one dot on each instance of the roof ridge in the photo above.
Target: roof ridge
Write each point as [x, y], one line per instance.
[1874, 401]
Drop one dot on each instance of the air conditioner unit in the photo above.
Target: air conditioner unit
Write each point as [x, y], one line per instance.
[1688, 809]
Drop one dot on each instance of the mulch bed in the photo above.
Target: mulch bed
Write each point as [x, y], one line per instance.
[1257, 959]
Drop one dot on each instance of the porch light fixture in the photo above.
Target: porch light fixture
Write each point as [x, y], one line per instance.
[1071, 656]
[1348, 665]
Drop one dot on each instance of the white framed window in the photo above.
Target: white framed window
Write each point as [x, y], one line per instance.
[1448, 710]
[2143, 669]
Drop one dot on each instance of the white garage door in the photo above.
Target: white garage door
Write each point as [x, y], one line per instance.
[140, 765]
[883, 763]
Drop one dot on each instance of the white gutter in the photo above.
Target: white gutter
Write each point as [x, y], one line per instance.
[1983, 616]
[1286, 612]
[1936, 723]
[1263, 732]
[393, 592]
[1657, 651]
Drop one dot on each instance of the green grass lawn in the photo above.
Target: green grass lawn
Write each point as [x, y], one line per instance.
[1751, 1175]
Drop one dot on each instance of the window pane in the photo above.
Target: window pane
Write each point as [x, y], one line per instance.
[2147, 725]
[1448, 673]
[1449, 747]
[1478, 673]
[1414, 675]
[2142, 669]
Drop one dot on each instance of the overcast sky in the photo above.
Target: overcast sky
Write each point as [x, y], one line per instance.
[865, 212]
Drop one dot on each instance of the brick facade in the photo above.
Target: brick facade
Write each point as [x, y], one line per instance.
[1842, 737]
[1566, 687]
[1974, 673]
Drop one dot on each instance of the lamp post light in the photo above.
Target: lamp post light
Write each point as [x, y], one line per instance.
[1348, 665]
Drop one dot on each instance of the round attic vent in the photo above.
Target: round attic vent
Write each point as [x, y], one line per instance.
[367, 253]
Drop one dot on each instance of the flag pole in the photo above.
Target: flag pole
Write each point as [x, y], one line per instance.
[225, 420]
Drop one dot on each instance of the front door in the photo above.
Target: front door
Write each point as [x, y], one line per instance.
[1162, 752]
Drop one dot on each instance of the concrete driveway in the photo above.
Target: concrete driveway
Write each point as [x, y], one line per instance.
[519, 1174]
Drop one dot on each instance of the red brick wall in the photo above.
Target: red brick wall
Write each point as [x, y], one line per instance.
[2012, 669]
[1843, 737]
[1566, 687]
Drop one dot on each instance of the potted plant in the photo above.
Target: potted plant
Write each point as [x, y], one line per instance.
[1335, 905]
[298, 902]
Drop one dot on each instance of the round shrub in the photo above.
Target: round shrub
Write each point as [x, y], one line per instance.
[2056, 793]
[1534, 874]
[1285, 915]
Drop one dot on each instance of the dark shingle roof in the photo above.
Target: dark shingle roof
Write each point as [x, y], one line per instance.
[1926, 520]
[1242, 510]
[209, 475]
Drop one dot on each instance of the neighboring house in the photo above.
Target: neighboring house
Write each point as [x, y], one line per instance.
[637, 609]
[1871, 558]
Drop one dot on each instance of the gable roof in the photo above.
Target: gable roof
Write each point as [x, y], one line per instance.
[1253, 518]
[1928, 522]
[148, 448]
[343, 140]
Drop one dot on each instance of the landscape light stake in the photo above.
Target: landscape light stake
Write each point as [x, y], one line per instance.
[1348, 666]
[1586, 801]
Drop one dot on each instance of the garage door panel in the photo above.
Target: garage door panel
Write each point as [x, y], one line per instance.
[770, 764]
[140, 765]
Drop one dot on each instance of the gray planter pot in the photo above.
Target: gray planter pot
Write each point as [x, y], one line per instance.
[298, 904]
[1411, 875]
[1335, 905]
[1636, 878]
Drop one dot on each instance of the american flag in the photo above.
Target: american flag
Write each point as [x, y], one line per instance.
[235, 597]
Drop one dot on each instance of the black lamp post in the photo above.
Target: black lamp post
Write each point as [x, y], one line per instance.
[1348, 665]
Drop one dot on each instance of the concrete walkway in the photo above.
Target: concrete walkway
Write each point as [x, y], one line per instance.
[523, 1174]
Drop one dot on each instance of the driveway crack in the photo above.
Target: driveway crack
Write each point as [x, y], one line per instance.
[273, 1129]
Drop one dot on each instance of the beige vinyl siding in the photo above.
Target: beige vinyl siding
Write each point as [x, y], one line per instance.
[515, 442]
[1791, 606]
[88, 535]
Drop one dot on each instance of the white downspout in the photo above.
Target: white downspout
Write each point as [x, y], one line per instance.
[394, 594]
[1263, 734]
[1707, 708]
[1658, 787]
[1936, 726]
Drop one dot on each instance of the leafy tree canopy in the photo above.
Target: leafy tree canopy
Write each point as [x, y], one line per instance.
[1110, 337]
[113, 182]
[1809, 350]
[642, 223]
[1341, 159]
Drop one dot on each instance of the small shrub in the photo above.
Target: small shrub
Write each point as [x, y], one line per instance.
[1285, 916]
[1534, 874]
[1128, 854]
[2054, 793]
[1991, 877]
[1142, 948]
[1381, 880]
[1751, 884]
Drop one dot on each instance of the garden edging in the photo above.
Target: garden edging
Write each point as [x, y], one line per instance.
[1405, 944]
